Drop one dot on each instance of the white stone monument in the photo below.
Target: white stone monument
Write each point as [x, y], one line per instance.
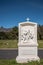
[27, 44]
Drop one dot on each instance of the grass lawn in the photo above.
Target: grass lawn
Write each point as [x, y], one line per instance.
[13, 62]
[13, 43]
[8, 43]
[40, 42]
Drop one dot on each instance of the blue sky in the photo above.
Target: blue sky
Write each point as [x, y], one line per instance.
[14, 11]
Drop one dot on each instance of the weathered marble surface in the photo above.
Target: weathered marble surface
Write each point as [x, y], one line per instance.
[27, 45]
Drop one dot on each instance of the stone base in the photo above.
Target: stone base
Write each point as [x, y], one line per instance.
[25, 59]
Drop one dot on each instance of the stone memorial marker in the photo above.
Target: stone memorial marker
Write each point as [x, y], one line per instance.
[27, 44]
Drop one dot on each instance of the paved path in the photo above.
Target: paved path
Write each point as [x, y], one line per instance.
[12, 53]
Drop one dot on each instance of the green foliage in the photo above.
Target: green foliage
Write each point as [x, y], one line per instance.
[13, 62]
[3, 35]
[40, 32]
[13, 34]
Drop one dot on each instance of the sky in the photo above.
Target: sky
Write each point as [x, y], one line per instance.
[12, 12]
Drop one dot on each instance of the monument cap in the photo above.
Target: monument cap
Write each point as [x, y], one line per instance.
[27, 19]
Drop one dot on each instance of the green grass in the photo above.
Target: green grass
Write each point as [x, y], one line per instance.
[8, 43]
[13, 43]
[13, 62]
[40, 42]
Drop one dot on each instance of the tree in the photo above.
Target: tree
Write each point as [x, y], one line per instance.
[40, 32]
[3, 35]
[14, 33]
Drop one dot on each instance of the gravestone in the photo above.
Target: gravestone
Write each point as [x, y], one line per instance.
[27, 44]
